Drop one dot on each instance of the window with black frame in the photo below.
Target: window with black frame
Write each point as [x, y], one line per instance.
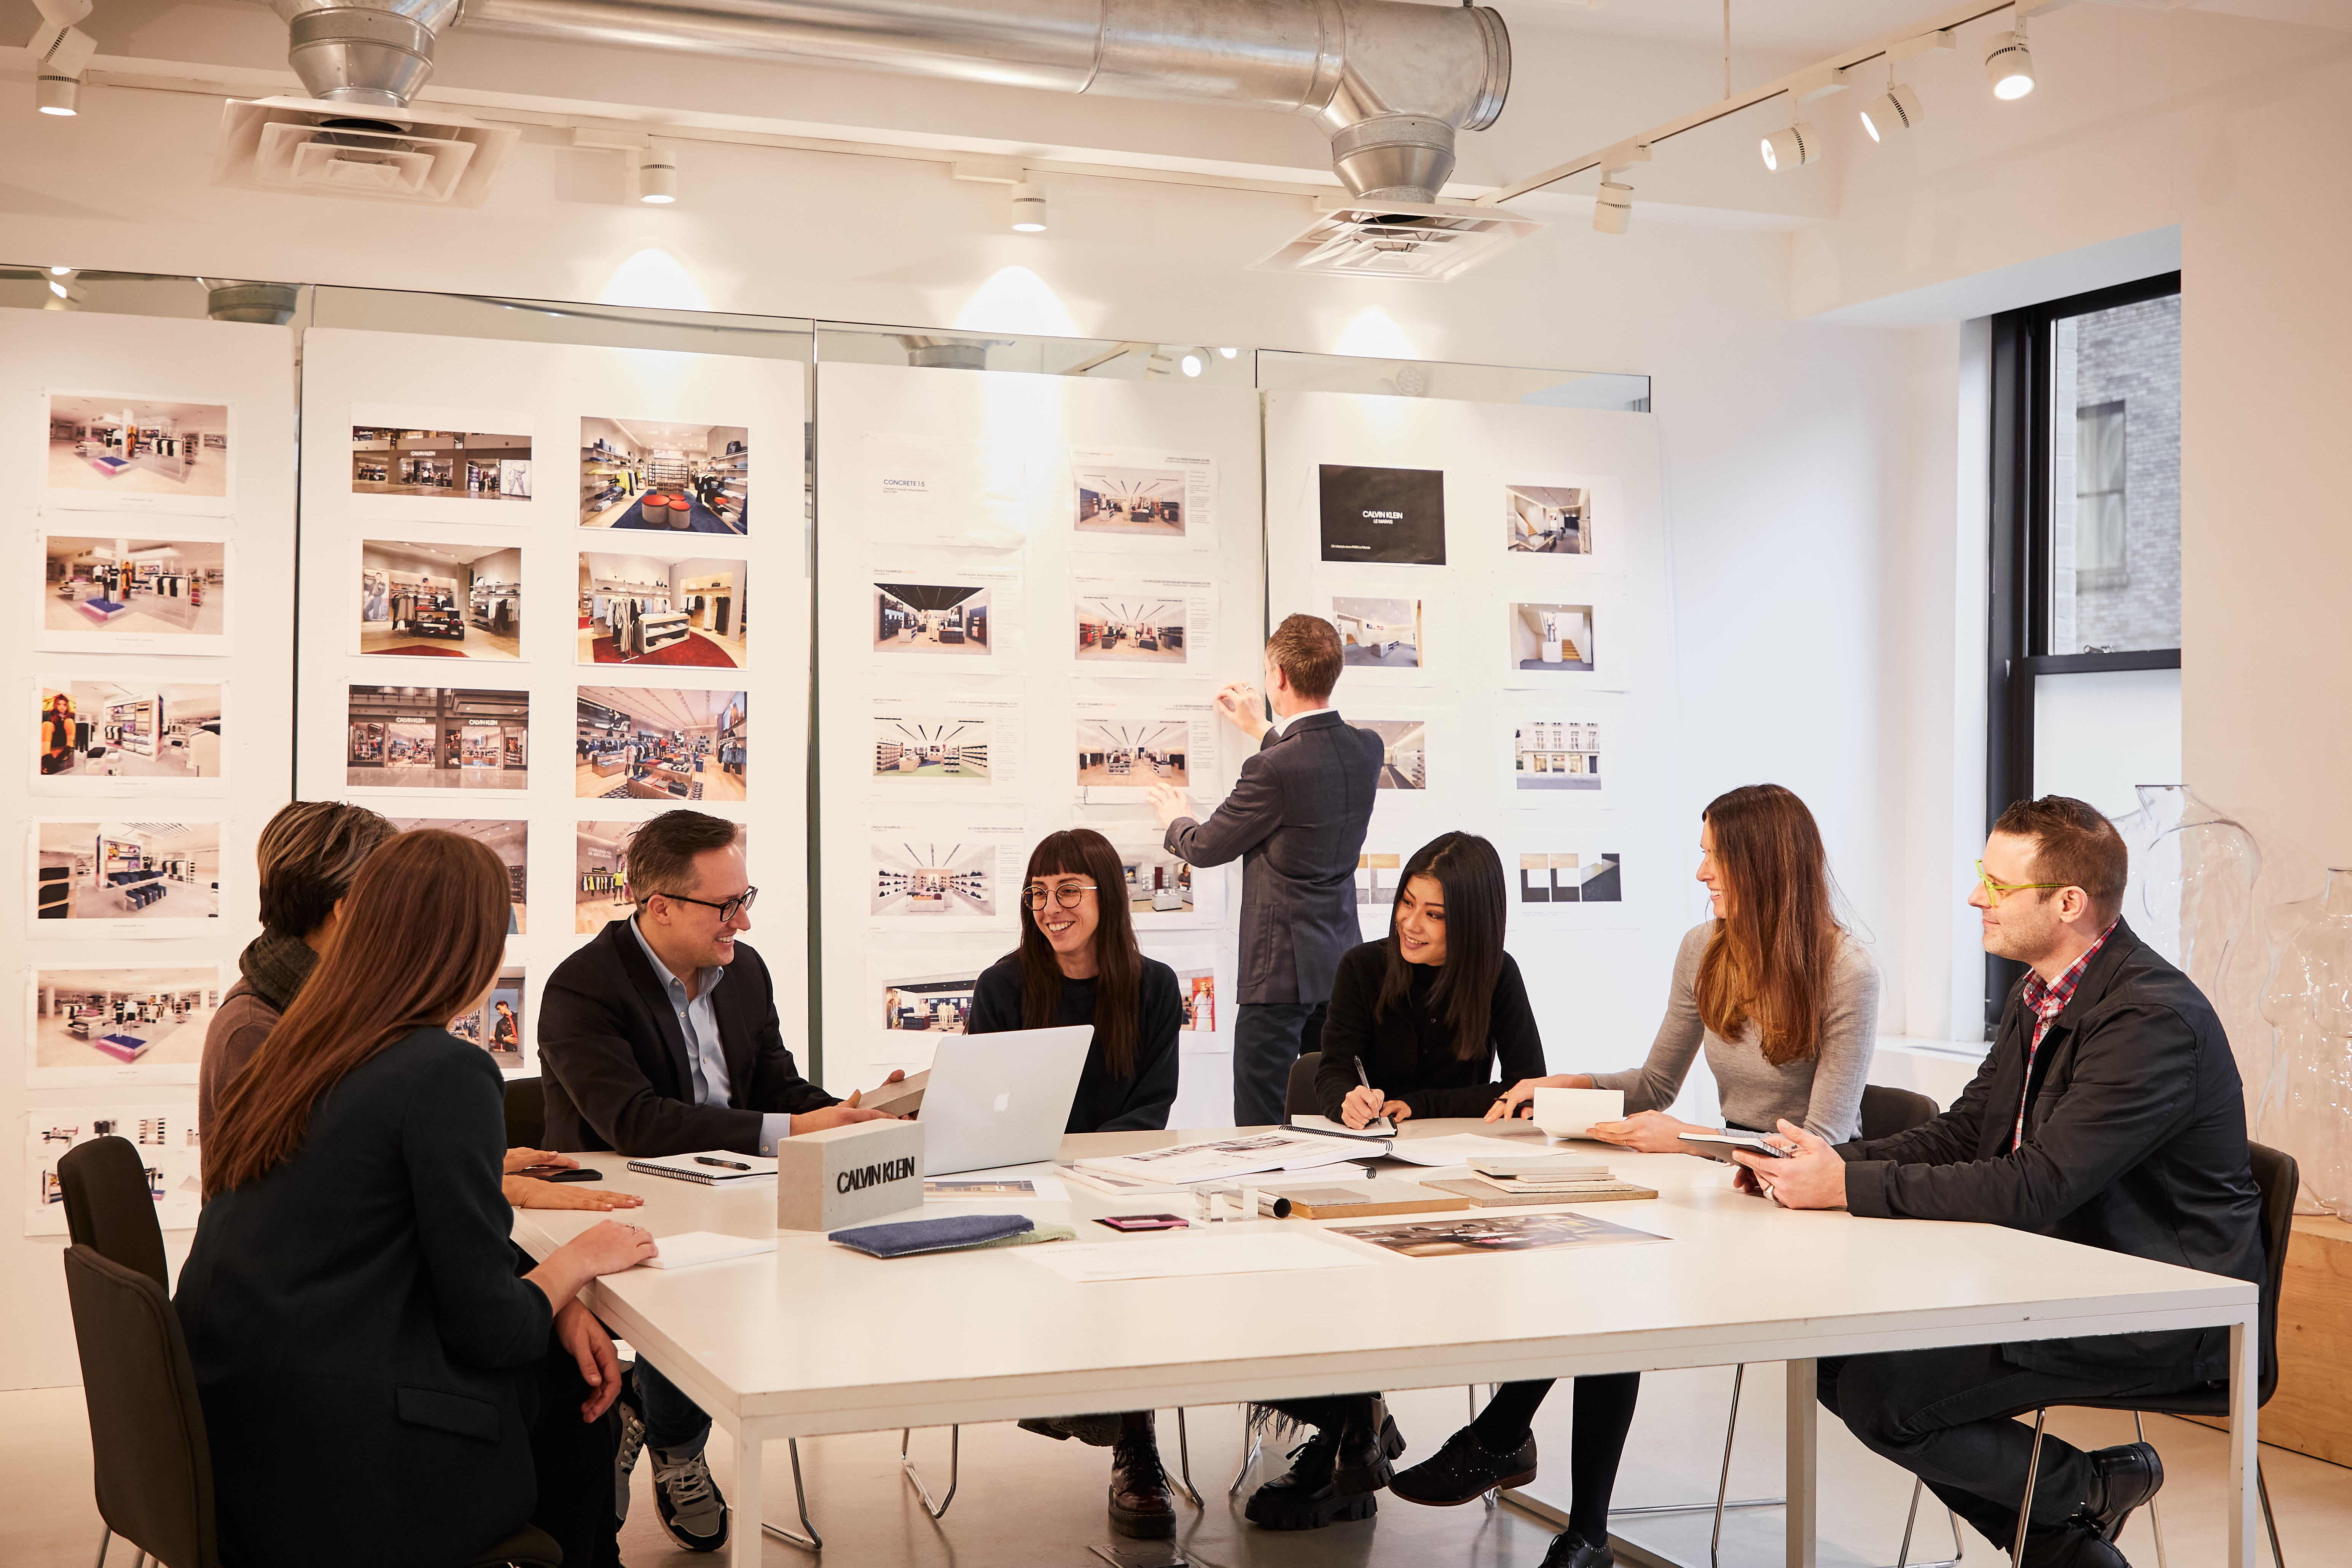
[2084, 676]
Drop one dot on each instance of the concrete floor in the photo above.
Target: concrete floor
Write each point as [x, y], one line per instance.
[1024, 1500]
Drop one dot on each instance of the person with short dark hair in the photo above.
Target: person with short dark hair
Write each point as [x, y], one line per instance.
[1078, 963]
[661, 1037]
[2109, 1113]
[1296, 820]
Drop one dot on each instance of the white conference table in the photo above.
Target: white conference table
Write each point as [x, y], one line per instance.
[817, 1339]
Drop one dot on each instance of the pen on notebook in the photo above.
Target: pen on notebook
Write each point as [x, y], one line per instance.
[1367, 1082]
[723, 1165]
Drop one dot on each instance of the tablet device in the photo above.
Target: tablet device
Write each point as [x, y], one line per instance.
[1723, 1142]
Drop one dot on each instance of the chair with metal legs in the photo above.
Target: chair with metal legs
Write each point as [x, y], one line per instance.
[811, 1540]
[2277, 1176]
[937, 1509]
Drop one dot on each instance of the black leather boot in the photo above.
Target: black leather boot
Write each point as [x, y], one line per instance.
[1140, 1507]
[1306, 1496]
[1368, 1439]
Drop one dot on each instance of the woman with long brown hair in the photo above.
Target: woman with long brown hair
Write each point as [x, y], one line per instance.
[359, 1337]
[1785, 1004]
[1078, 963]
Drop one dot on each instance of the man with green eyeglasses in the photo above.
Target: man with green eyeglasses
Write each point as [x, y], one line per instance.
[2109, 1113]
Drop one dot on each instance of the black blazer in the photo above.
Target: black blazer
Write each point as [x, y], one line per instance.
[613, 1059]
[1296, 820]
[2135, 1141]
[358, 1329]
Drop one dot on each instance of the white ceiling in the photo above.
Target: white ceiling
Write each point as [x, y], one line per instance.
[1819, 28]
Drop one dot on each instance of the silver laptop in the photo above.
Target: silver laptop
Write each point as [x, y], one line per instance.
[1001, 1099]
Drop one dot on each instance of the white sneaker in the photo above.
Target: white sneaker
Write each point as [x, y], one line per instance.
[688, 1502]
[624, 1458]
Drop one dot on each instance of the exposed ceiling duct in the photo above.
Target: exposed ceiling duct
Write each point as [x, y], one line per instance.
[1390, 81]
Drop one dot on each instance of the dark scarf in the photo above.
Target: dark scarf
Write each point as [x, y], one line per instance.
[276, 966]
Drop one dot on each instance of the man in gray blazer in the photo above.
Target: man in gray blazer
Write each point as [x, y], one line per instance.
[1295, 819]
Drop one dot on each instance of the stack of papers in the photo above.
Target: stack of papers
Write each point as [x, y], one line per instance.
[1226, 1160]
[693, 1247]
[1541, 1176]
[1379, 1131]
[1466, 1149]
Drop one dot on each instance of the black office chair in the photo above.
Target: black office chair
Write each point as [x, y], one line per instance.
[2277, 1177]
[526, 1113]
[1300, 1098]
[150, 1460]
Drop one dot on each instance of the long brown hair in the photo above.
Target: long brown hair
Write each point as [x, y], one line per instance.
[424, 932]
[1118, 961]
[1770, 956]
[1467, 866]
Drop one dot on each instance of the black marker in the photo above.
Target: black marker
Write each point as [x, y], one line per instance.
[723, 1165]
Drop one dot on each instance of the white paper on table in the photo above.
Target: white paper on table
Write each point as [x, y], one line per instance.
[951, 491]
[690, 1247]
[1112, 618]
[944, 744]
[1460, 1148]
[1122, 745]
[1112, 488]
[1228, 1159]
[1192, 1257]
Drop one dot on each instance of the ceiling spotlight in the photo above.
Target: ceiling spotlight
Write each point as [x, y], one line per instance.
[1227, 353]
[1189, 364]
[2010, 64]
[657, 177]
[59, 95]
[1799, 144]
[1028, 208]
[1898, 110]
[1613, 208]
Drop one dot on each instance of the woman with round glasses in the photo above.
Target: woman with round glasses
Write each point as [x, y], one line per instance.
[1078, 963]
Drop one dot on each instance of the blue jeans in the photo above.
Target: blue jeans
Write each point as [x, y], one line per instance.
[673, 1423]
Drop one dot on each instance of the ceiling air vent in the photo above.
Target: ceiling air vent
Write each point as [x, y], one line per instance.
[424, 157]
[1433, 241]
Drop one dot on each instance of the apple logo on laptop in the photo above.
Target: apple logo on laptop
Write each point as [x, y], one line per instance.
[1003, 1101]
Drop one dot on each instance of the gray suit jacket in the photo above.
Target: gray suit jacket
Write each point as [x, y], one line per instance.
[1296, 820]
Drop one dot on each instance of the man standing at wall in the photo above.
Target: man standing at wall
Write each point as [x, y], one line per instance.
[1296, 820]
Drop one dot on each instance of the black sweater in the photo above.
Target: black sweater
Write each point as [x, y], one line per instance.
[1104, 1103]
[1408, 1053]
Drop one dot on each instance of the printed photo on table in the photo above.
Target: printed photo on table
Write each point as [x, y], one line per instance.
[929, 1003]
[1379, 633]
[917, 747]
[497, 1023]
[445, 465]
[1385, 516]
[917, 879]
[152, 732]
[133, 587]
[1135, 752]
[1550, 878]
[1547, 520]
[1141, 502]
[1405, 744]
[508, 839]
[137, 446]
[436, 737]
[440, 601]
[1129, 629]
[125, 871]
[642, 473]
[121, 1016]
[930, 618]
[1555, 639]
[1498, 1233]
[660, 744]
[1556, 753]
[687, 611]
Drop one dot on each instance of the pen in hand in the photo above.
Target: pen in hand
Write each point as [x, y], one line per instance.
[723, 1165]
[1358, 1063]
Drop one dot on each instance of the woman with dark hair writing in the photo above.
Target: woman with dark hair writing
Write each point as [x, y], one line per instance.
[1078, 963]
[1785, 1004]
[360, 1338]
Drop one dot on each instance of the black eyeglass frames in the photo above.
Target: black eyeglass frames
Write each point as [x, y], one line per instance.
[728, 909]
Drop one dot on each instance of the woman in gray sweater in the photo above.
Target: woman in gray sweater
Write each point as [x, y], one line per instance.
[1785, 1004]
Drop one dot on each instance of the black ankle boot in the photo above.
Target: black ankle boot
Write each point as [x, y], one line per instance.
[1306, 1496]
[1368, 1439]
[1140, 1507]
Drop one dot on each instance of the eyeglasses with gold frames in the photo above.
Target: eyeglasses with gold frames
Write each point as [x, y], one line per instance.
[1994, 889]
[1066, 895]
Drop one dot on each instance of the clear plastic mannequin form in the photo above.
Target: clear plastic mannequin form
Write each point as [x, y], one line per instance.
[2191, 894]
[2308, 1111]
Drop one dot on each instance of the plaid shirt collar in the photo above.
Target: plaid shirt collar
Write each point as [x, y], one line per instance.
[2048, 1001]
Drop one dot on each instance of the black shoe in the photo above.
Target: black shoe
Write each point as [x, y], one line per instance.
[1140, 1507]
[1570, 1550]
[1368, 1439]
[2073, 1544]
[2126, 1477]
[1463, 1471]
[1093, 1431]
[1305, 1496]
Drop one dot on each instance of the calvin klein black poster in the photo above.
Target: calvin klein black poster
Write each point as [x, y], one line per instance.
[1393, 516]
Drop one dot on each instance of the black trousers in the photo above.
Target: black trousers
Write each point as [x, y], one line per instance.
[573, 1459]
[1947, 1416]
[1268, 1036]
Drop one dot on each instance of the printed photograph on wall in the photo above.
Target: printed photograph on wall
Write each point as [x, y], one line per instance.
[129, 874]
[436, 737]
[938, 747]
[1404, 747]
[1156, 882]
[1197, 988]
[137, 737]
[601, 851]
[673, 610]
[1146, 502]
[953, 490]
[1378, 634]
[440, 601]
[164, 1135]
[1131, 628]
[929, 1003]
[1551, 638]
[107, 592]
[1547, 520]
[928, 880]
[510, 837]
[951, 618]
[660, 744]
[143, 454]
[497, 1025]
[1552, 878]
[686, 478]
[1135, 750]
[119, 1023]
[1376, 882]
[1556, 754]
[1393, 516]
[440, 465]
